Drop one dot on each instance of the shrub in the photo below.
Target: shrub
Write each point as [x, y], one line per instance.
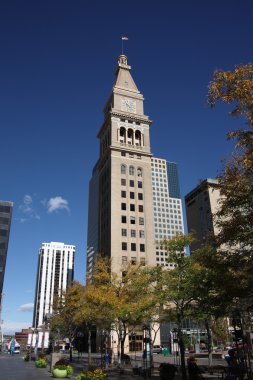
[26, 357]
[61, 364]
[41, 363]
[70, 370]
[97, 374]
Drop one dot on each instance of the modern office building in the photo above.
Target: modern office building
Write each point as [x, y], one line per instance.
[168, 214]
[55, 273]
[5, 224]
[201, 205]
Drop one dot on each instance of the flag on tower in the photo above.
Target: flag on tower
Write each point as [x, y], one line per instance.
[124, 38]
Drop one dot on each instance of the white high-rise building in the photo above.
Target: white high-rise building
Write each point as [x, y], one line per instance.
[55, 273]
[167, 204]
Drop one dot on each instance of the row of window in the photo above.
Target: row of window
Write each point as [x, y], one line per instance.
[133, 247]
[131, 183]
[131, 207]
[133, 260]
[131, 155]
[132, 195]
[123, 170]
[132, 233]
[132, 220]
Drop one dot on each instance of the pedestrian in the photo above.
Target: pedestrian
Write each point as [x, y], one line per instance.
[193, 369]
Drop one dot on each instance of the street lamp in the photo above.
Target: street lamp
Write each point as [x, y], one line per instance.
[147, 353]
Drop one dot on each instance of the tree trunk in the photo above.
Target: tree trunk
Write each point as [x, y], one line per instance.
[70, 352]
[89, 346]
[181, 347]
[209, 343]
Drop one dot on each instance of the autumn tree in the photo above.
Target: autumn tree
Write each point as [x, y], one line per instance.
[120, 301]
[235, 217]
[64, 321]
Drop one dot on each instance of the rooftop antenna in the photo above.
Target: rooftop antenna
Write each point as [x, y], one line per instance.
[123, 38]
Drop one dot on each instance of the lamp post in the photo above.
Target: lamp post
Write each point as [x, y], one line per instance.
[147, 353]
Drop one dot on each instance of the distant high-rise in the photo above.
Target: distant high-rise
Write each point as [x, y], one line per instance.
[201, 205]
[55, 273]
[168, 214]
[5, 224]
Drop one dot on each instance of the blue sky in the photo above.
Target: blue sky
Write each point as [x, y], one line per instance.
[58, 60]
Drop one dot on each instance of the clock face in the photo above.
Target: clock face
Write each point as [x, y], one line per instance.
[128, 105]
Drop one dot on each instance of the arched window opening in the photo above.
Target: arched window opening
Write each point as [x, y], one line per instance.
[139, 172]
[123, 169]
[131, 170]
[138, 138]
[122, 134]
[130, 135]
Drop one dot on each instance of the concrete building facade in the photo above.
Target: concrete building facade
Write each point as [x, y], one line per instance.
[55, 272]
[5, 224]
[201, 205]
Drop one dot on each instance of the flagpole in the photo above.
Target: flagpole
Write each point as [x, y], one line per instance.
[121, 45]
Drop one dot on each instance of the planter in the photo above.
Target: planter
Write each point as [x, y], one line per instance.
[59, 373]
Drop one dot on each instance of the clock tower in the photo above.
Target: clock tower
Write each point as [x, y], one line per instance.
[120, 204]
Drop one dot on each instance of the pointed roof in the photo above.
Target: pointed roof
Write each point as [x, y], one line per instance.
[124, 80]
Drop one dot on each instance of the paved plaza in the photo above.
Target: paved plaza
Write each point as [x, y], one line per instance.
[15, 368]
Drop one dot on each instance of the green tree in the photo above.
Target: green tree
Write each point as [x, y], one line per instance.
[175, 290]
[235, 217]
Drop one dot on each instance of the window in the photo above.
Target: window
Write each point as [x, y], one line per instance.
[123, 232]
[143, 261]
[131, 170]
[140, 208]
[124, 246]
[123, 154]
[142, 247]
[123, 194]
[133, 233]
[123, 206]
[139, 184]
[139, 172]
[141, 234]
[140, 196]
[124, 260]
[141, 221]
[132, 207]
[123, 169]
[131, 194]
[123, 219]
[132, 219]
[133, 246]
[131, 183]
[133, 260]
[123, 182]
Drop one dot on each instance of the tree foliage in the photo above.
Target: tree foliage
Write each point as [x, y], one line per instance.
[64, 321]
[235, 217]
